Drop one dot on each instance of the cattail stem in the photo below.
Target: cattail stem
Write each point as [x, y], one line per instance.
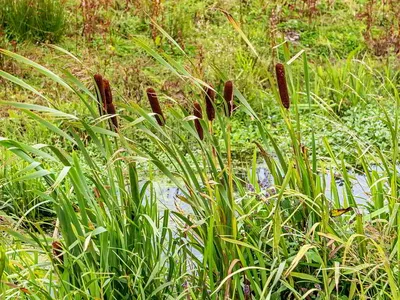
[155, 106]
[228, 96]
[282, 85]
[199, 114]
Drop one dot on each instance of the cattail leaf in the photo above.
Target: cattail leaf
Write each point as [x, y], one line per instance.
[279, 272]
[37, 67]
[29, 168]
[170, 38]
[190, 118]
[21, 83]
[86, 244]
[21, 150]
[161, 287]
[241, 270]
[304, 276]
[104, 131]
[331, 237]
[65, 52]
[240, 31]
[50, 126]
[81, 91]
[36, 174]
[154, 54]
[136, 122]
[21, 237]
[39, 108]
[296, 56]
[300, 254]
[80, 85]
[3, 261]
[248, 109]
[242, 244]
[60, 177]
[151, 223]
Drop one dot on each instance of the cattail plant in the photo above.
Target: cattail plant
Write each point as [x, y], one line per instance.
[198, 113]
[210, 98]
[155, 106]
[282, 85]
[228, 96]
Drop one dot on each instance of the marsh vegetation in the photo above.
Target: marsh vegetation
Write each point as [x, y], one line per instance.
[103, 100]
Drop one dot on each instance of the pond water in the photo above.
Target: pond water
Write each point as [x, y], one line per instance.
[168, 193]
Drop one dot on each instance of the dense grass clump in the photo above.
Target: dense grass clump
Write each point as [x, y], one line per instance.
[35, 20]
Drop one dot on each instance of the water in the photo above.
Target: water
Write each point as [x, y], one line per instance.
[168, 194]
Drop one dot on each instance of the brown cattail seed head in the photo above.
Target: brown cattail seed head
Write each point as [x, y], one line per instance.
[107, 91]
[198, 113]
[101, 96]
[228, 96]
[108, 105]
[57, 251]
[210, 97]
[155, 106]
[100, 85]
[111, 111]
[282, 85]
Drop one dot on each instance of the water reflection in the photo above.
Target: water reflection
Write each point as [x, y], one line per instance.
[359, 187]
